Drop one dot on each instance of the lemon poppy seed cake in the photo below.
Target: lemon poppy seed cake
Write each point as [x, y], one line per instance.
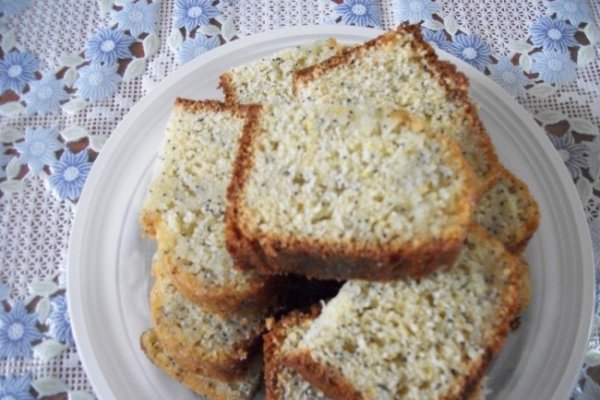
[342, 193]
[269, 80]
[400, 70]
[509, 212]
[243, 388]
[185, 204]
[281, 382]
[198, 340]
[415, 339]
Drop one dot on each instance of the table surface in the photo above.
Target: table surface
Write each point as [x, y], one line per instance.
[70, 70]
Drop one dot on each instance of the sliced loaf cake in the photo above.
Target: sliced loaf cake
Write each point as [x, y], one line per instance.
[415, 339]
[282, 383]
[269, 80]
[198, 340]
[509, 212]
[400, 70]
[185, 205]
[243, 388]
[346, 193]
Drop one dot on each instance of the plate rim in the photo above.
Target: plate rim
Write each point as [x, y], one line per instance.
[84, 207]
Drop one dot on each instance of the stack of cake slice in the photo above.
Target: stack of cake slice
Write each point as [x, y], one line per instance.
[366, 165]
[207, 316]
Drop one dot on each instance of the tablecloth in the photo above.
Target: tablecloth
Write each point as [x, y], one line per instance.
[71, 69]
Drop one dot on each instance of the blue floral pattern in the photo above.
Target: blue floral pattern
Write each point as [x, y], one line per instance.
[360, 12]
[511, 77]
[60, 322]
[191, 48]
[137, 18]
[108, 45]
[17, 70]
[15, 387]
[39, 148]
[97, 81]
[554, 67]
[69, 174]
[45, 95]
[436, 38]
[552, 34]
[415, 11]
[574, 11]
[471, 49]
[190, 14]
[18, 331]
[12, 8]
[574, 155]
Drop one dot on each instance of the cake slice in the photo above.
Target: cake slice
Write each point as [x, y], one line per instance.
[415, 339]
[400, 70]
[346, 193]
[243, 388]
[198, 340]
[185, 205]
[281, 382]
[269, 80]
[509, 212]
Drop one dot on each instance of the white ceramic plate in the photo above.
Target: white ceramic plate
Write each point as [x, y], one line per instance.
[108, 271]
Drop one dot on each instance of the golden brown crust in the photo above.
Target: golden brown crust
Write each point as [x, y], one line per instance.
[228, 87]
[516, 240]
[237, 245]
[325, 261]
[525, 284]
[227, 366]
[477, 393]
[533, 220]
[151, 347]
[272, 342]
[226, 301]
[455, 83]
[204, 386]
[326, 380]
[332, 383]
[273, 254]
[525, 294]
